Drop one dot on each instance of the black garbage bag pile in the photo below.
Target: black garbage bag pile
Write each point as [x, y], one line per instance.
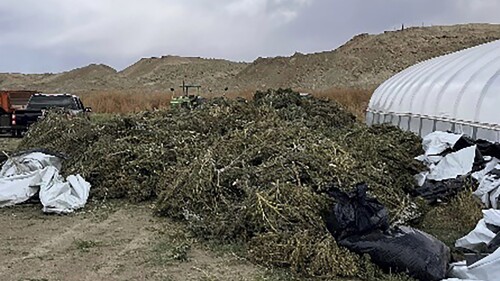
[255, 172]
[360, 224]
[355, 213]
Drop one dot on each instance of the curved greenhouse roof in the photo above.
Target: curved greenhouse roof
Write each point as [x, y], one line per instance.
[459, 92]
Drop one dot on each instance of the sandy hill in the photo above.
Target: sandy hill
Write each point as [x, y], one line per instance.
[94, 76]
[363, 62]
[169, 71]
[147, 65]
[18, 81]
[366, 60]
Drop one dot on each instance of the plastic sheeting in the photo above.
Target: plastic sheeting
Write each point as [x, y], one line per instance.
[487, 269]
[469, 155]
[403, 249]
[488, 190]
[437, 142]
[454, 164]
[482, 234]
[18, 176]
[476, 239]
[491, 164]
[449, 156]
[442, 167]
[448, 167]
[59, 196]
[22, 177]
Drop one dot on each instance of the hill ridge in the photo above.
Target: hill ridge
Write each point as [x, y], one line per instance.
[364, 61]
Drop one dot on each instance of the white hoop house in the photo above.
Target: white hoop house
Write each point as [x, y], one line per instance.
[459, 92]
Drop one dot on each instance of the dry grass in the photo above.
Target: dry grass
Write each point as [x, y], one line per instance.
[355, 100]
[125, 102]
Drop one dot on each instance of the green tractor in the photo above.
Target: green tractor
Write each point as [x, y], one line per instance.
[186, 100]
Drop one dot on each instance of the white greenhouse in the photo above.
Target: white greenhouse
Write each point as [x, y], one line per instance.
[459, 92]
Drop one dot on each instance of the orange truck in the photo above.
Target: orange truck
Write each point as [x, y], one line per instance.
[10, 101]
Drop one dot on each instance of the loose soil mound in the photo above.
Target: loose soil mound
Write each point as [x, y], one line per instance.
[255, 172]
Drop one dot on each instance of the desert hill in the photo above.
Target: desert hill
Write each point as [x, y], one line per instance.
[363, 62]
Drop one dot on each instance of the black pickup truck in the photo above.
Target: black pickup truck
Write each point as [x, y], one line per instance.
[39, 104]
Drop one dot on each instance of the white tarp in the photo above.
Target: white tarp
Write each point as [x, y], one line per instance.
[437, 142]
[488, 190]
[16, 189]
[443, 167]
[491, 164]
[23, 176]
[454, 164]
[58, 196]
[19, 175]
[481, 234]
[486, 269]
[476, 238]
[434, 144]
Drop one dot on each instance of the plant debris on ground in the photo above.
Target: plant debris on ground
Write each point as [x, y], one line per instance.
[254, 172]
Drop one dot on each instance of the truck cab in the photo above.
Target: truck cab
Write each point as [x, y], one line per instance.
[66, 102]
[39, 104]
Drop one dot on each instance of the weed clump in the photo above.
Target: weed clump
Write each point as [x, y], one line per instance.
[254, 172]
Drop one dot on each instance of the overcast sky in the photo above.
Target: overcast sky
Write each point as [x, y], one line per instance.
[56, 35]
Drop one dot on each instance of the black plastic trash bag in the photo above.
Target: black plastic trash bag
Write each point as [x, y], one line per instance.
[403, 249]
[440, 191]
[355, 213]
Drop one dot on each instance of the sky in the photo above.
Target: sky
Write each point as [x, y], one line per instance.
[41, 36]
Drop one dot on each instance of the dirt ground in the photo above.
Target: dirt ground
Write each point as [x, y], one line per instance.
[111, 241]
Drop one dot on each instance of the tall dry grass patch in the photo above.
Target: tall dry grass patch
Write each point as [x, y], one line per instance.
[355, 100]
[125, 101]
